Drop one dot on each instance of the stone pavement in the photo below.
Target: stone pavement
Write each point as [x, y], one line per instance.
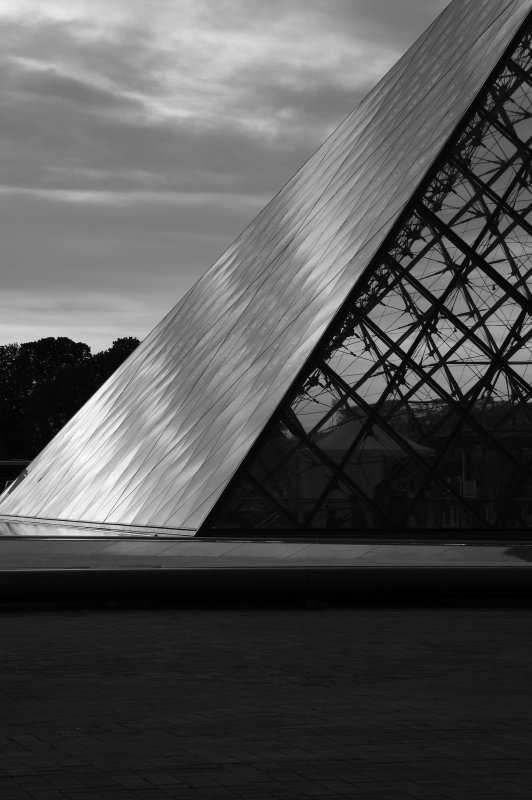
[249, 702]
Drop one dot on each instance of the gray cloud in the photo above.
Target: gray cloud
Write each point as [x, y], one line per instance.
[395, 24]
[98, 246]
[63, 133]
[132, 154]
[50, 84]
[63, 130]
[52, 148]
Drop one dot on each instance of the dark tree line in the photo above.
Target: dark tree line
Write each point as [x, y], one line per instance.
[44, 383]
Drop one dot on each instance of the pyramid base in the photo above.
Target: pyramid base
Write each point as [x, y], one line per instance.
[33, 527]
[46, 564]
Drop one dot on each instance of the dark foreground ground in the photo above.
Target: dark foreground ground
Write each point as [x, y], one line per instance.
[240, 702]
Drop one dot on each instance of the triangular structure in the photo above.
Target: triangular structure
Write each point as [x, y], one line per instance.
[386, 285]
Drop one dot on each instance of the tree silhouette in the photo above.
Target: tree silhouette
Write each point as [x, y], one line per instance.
[44, 383]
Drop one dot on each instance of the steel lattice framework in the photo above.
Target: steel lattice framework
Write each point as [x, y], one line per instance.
[415, 410]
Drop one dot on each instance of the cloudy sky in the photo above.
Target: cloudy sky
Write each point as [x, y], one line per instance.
[139, 137]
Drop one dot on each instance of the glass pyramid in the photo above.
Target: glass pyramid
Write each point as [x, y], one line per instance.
[359, 358]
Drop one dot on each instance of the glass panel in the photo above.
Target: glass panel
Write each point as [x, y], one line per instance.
[416, 412]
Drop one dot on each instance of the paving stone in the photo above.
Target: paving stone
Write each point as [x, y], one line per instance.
[402, 703]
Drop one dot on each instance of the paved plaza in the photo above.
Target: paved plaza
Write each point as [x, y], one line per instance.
[250, 702]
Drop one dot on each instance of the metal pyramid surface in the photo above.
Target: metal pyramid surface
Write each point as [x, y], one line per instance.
[159, 443]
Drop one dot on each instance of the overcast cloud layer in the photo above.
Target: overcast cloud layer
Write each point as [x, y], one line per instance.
[139, 137]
